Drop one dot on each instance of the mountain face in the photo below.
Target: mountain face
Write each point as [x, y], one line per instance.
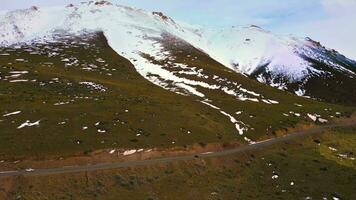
[131, 104]
[301, 66]
[98, 76]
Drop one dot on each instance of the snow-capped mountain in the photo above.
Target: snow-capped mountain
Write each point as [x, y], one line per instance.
[301, 66]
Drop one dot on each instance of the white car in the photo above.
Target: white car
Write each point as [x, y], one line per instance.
[29, 170]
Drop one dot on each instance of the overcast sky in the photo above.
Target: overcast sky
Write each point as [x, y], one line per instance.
[333, 22]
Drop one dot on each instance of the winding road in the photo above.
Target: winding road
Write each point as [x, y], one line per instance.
[134, 163]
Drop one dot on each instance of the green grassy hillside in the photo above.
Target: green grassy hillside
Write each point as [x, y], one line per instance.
[317, 167]
[79, 95]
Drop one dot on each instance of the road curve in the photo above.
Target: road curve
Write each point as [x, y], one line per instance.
[134, 163]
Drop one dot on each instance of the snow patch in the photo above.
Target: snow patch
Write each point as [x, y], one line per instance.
[129, 152]
[12, 113]
[29, 124]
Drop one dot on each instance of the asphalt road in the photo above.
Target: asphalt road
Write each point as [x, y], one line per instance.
[135, 163]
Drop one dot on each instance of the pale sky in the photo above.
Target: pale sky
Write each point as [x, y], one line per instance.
[333, 22]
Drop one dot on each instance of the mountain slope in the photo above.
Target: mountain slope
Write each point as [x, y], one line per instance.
[301, 66]
[77, 95]
[107, 76]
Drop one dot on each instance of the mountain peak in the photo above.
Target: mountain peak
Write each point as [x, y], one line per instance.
[102, 2]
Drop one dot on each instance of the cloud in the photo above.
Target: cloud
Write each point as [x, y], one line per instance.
[335, 29]
[334, 7]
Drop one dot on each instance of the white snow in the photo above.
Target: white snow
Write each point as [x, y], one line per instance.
[94, 86]
[61, 103]
[273, 101]
[238, 124]
[249, 140]
[332, 148]
[18, 72]
[300, 92]
[129, 152]
[209, 104]
[295, 114]
[29, 170]
[321, 120]
[29, 124]
[246, 49]
[269, 101]
[18, 81]
[12, 113]
[101, 131]
[312, 117]
[265, 101]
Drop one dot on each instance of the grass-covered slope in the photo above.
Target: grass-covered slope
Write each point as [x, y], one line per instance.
[318, 167]
[76, 95]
